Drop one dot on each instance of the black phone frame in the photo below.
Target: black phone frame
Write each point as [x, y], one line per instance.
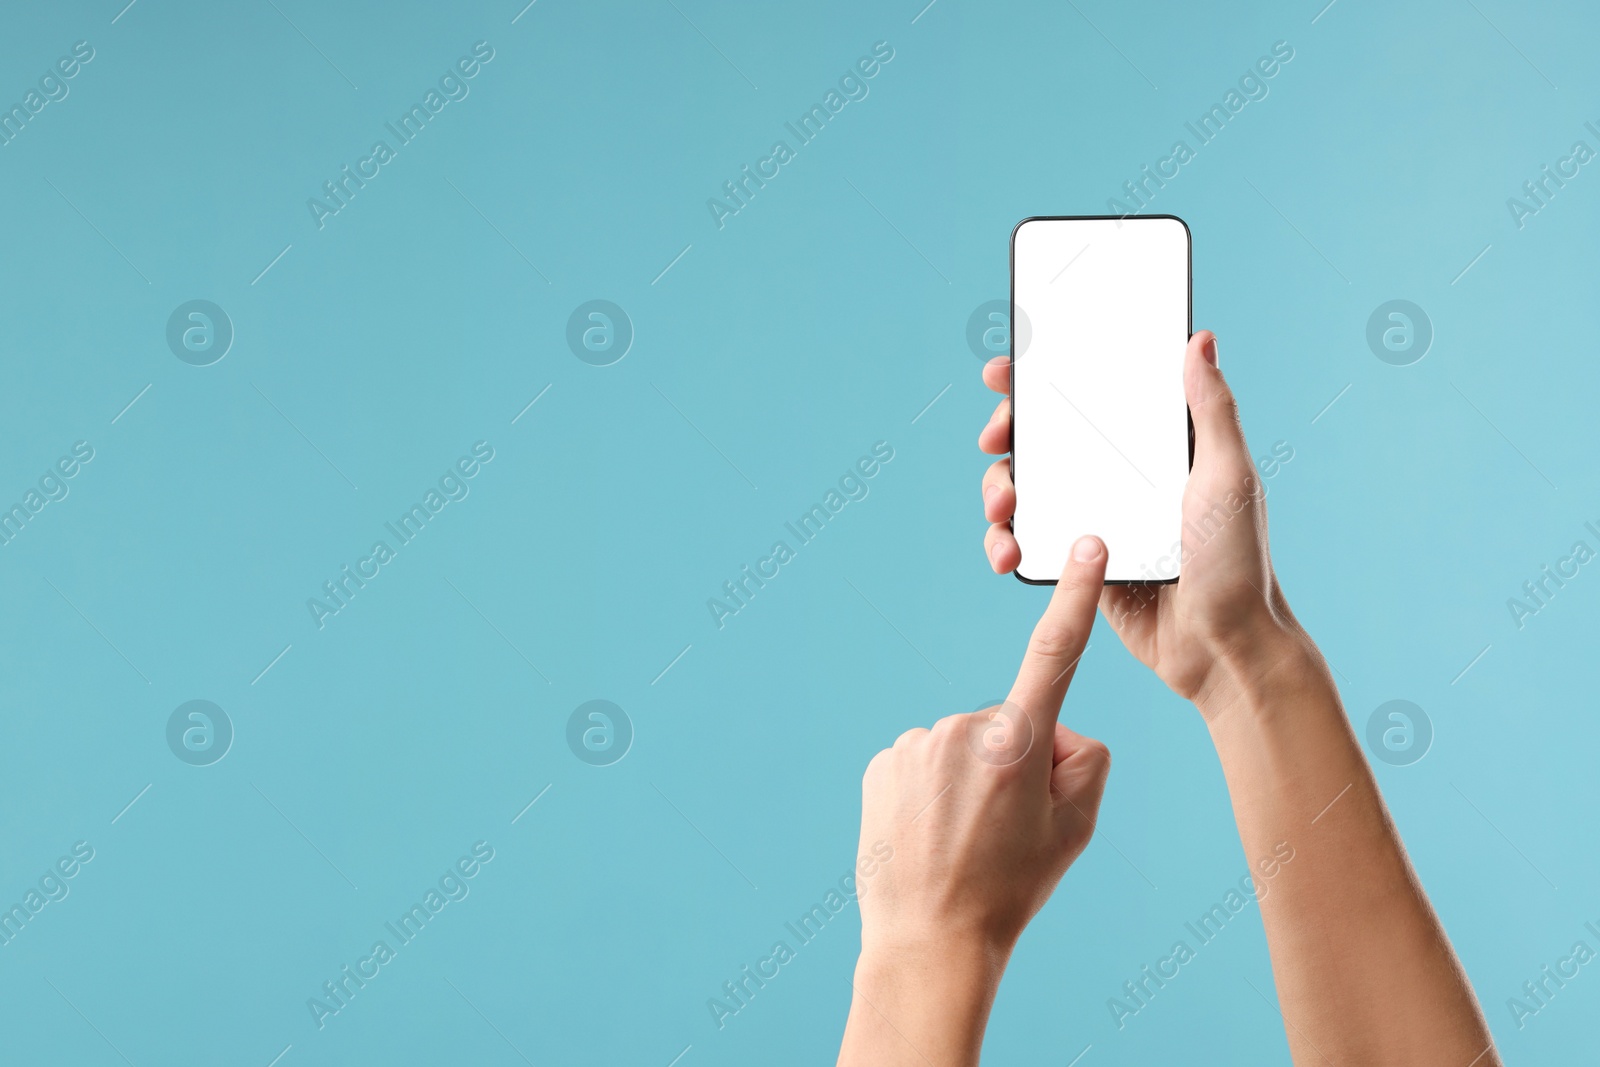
[1011, 390]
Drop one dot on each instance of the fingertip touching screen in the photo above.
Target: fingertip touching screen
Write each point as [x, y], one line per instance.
[1099, 424]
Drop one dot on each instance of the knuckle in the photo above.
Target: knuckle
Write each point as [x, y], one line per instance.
[1226, 405]
[909, 738]
[951, 731]
[1056, 642]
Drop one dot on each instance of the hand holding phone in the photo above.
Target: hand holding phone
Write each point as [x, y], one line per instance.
[1228, 597]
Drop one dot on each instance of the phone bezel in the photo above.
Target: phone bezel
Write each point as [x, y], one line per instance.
[1011, 356]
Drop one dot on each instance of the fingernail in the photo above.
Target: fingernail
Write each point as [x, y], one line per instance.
[1087, 549]
[989, 494]
[1000, 361]
[1210, 350]
[994, 553]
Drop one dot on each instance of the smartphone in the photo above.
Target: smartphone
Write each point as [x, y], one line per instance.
[1101, 440]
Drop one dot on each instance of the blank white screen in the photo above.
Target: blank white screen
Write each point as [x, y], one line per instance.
[1100, 441]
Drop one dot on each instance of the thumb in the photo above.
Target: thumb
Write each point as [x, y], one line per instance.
[1218, 437]
[1080, 767]
[1078, 781]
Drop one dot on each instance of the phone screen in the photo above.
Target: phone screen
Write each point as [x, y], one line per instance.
[1099, 424]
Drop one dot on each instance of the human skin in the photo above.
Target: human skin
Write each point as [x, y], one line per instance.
[1364, 971]
[984, 832]
[985, 812]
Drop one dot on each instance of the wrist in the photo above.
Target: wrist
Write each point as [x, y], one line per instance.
[958, 975]
[921, 1001]
[960, 952]
[1256, 681]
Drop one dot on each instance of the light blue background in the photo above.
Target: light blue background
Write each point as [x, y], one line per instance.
[821, 319]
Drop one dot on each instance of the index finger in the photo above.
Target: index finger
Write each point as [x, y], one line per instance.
[1060, 636]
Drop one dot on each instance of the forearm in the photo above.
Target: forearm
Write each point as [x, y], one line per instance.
[1364, 971]
[920, 1007]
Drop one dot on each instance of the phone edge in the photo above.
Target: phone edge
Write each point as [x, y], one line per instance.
[1011, 356]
